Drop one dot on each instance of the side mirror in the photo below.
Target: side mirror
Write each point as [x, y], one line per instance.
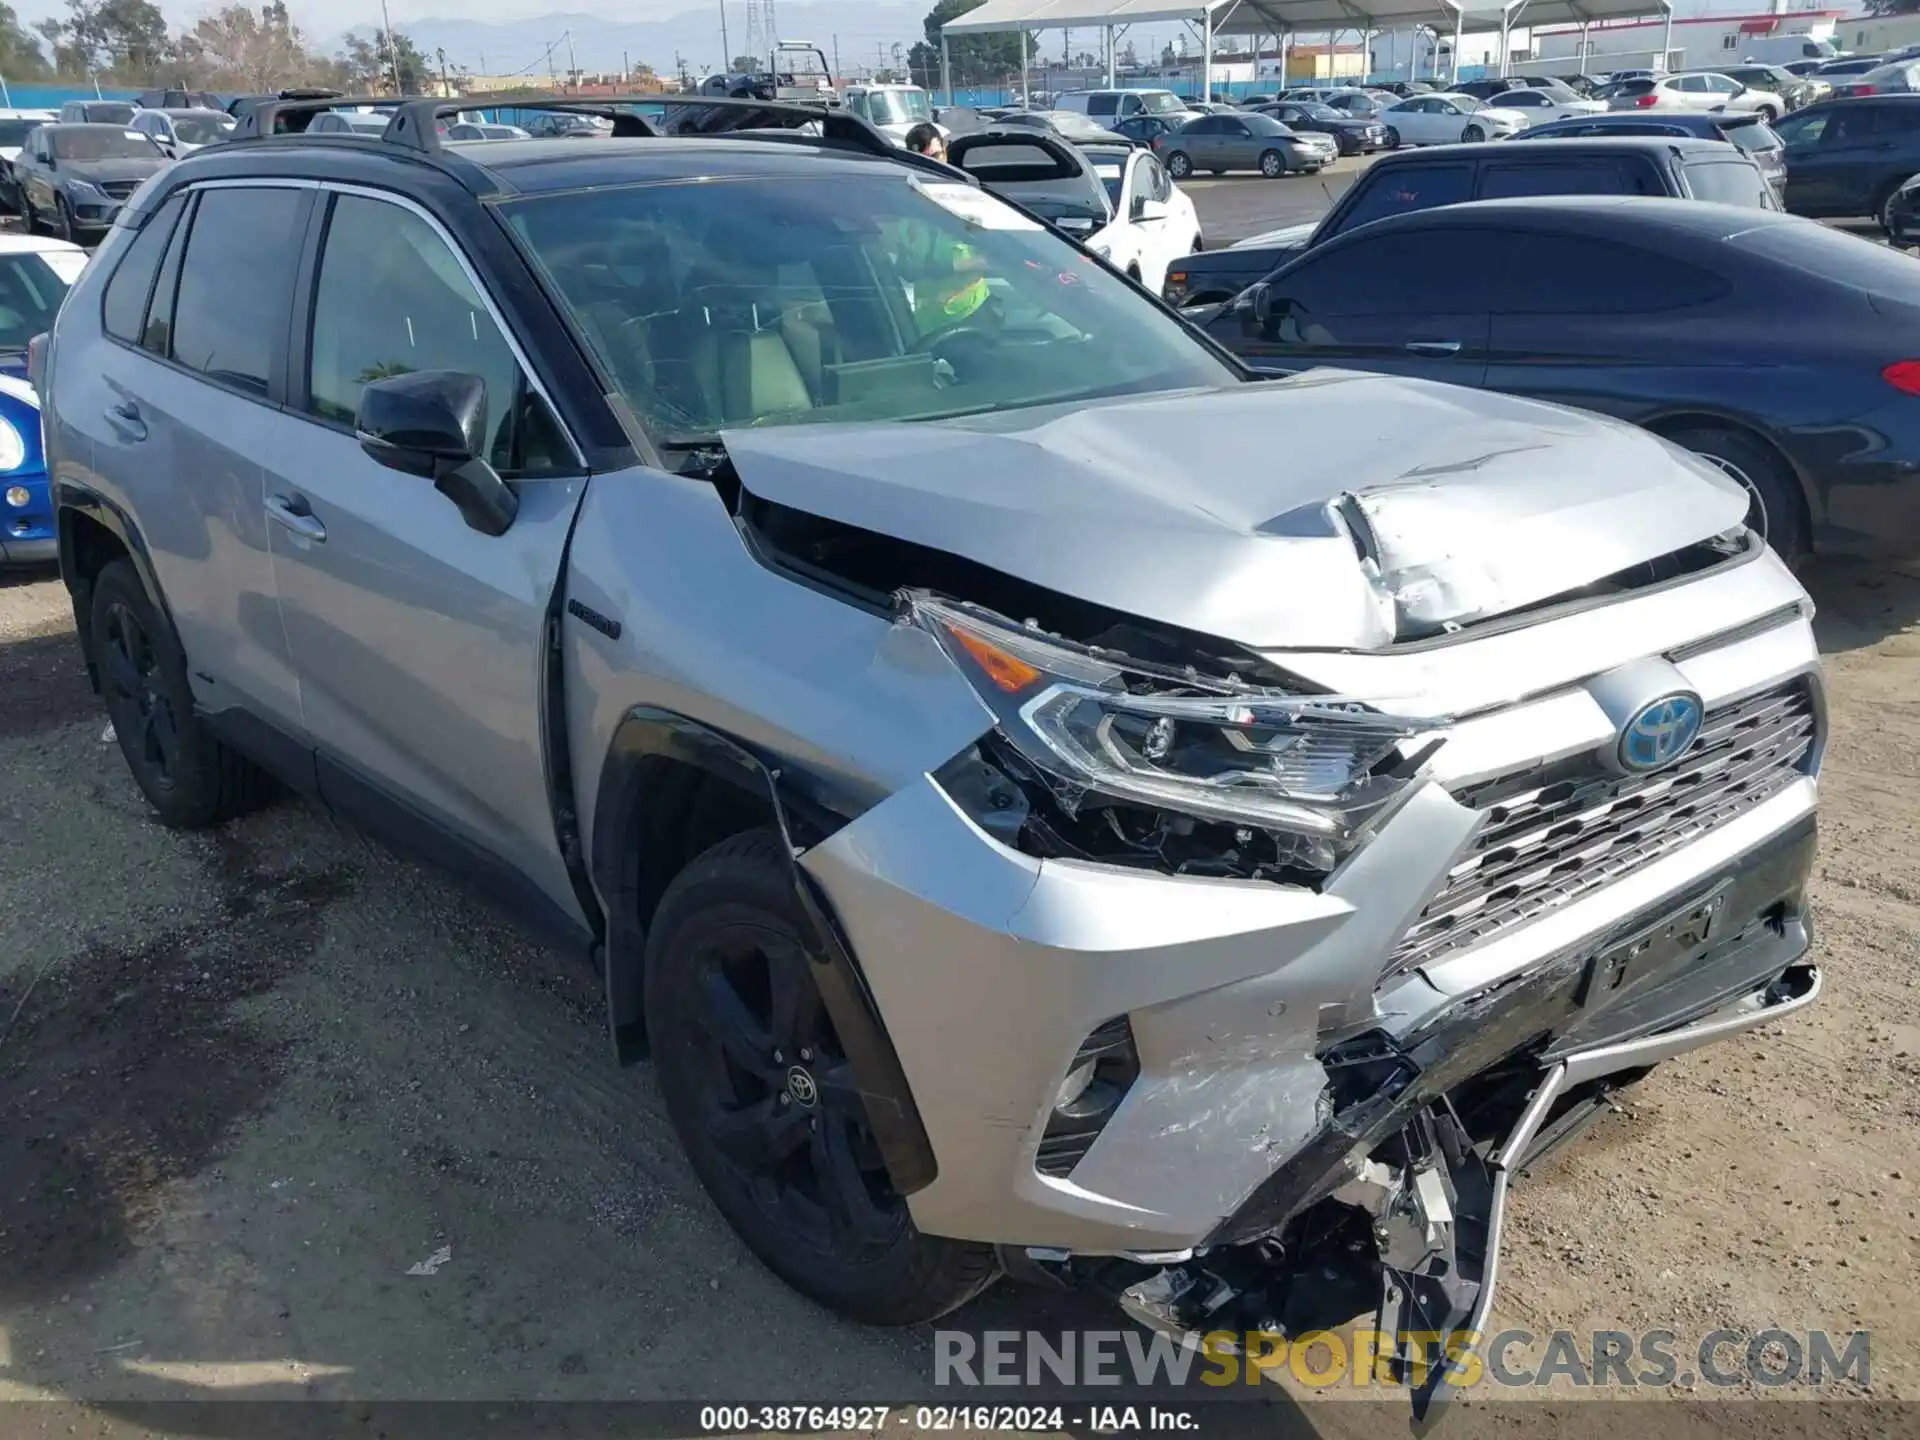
[1259, 304]
[433, 423]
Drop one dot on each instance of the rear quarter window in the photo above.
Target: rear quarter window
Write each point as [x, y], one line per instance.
[1730, 182]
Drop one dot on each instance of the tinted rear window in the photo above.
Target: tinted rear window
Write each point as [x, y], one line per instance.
[1757, 136]
[1567, 177]
[1731, 182]
[1573, 275]
[1630, 87]
[236, 284]
[1408, 187]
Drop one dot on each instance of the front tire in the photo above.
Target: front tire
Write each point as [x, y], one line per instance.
[1883, 212]
[761, 1093]
[1393, 138]
[1272, 165]
[1179, 166]
[1472, 135]
[1775, 508]
[190, 778]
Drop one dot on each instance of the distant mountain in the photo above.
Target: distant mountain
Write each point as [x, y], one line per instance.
[867, 30]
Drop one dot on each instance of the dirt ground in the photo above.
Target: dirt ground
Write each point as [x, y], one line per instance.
[253, 1077]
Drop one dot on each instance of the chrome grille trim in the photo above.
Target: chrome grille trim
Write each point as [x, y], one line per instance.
[1555, 835]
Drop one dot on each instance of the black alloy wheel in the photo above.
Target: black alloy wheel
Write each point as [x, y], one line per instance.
[764, 1098]
[143, 718]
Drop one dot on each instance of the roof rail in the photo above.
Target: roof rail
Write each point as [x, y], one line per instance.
[415, 121]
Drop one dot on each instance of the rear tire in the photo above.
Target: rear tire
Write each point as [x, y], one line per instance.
[1777, 511]
[733, 1014]
[1179, 166]
[1272, 164]
[190, 778]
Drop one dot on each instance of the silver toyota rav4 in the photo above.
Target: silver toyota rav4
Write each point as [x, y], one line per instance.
[1045, 801]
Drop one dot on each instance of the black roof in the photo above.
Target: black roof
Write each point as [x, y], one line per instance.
[753, 139]
[1556, 145]
[1597, 214]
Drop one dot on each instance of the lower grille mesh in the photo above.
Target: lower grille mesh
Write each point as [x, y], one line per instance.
[1554, 835]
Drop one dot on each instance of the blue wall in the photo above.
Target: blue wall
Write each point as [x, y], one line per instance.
[52, 97]
[975, 95]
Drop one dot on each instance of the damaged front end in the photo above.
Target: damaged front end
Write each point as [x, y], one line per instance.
[1396, 1205]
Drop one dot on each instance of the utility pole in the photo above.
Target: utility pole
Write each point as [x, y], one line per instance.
[626, 69]
[836, 57]
[446, 84]
[393, 50]
[552, 83]
[573, 67]
[726, 51]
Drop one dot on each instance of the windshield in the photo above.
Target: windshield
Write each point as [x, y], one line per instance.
[104, 142]
[13, 133]
[1161, 102]
[201, 129]
[873, 298]
[899, 107]
[30, 296]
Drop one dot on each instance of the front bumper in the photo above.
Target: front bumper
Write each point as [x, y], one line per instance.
[991, 968]
[92, 212]
[27, 531]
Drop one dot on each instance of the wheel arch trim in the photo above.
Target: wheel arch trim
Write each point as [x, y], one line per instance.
[71, 500]
[648, 734]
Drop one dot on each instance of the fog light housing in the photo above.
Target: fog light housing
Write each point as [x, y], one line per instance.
[1103, 1070]
[19, 497]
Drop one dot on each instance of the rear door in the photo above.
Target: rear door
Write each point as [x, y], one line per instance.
[420, 642]
[1839, 160]
[1412, 302]
[187, 395]
[1602, 324]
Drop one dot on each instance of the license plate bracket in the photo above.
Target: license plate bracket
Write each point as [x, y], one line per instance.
[1654, 945]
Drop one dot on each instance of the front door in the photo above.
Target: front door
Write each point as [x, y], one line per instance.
[1401, 304]
[420, 642]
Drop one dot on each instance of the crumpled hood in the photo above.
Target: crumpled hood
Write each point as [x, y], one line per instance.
[1289, 235]
[1330, 510]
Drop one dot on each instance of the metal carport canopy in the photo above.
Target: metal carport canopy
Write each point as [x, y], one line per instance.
[1272, 17]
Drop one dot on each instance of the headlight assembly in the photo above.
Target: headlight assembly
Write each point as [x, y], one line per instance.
[13, 449]
[1309, 770]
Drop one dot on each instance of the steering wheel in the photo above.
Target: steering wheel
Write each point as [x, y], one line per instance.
[933, 343]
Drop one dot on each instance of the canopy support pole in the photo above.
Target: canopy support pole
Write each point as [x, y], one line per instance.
[1206, 53]
[946, 68]
[1111, 81]
[1506, 47]
[1459, 18]
[1026, 87]
[1666, 41]
[1586, 27]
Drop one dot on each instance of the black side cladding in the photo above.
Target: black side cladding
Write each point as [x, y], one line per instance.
[648, 736]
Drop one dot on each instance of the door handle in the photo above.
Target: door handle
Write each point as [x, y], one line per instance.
[124, 416]
[291, 513]
[1433, 347]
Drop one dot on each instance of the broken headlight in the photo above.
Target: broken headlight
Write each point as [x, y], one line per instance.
[1309, 770]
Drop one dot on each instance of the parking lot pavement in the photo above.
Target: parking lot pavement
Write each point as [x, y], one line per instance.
[1236, 206]
[258, 1074]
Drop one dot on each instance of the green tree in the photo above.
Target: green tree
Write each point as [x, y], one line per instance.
[236, 49]
[20, 55]
[126, 39]
[369, 62]
[748, 64]
[976, 58]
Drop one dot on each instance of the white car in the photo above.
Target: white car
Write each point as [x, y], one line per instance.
[179, 133]
[1154, 222]
[1446, 118]
[1115, 200]
[1695, 90]
[63, 257]
[1543, 105]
